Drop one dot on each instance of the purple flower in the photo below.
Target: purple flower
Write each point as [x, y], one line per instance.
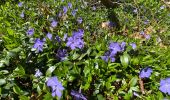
[165, 85]
[145, 73]
[56, 86]
[20, 4]
[146, 22]
[22, 15]
[59, 14]
[30, 32]
[65, 37]
[78, 34]
[162, 7]
[65, 9]
[94, 8]
[74, 43]
[76, 40]
[61, 54]
[79, 20]
[133, 45]
[54, 23]
[147, 36]
[135, 10]
[122, 45]
[115, 47]
[49, 36]
[142, 33]
[74, 12]
[38, 73]
[58, 39]
[69, 5]
[108, 55]
[77, 95]
[38, 45]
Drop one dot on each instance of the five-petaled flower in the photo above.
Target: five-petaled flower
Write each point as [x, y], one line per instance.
[65, 9]
[77, 95]
[133, 45]
[56, 86]
[165, 85]
[145, 73]
[61, 54]
[69, 5]
[22, 15]
[79, 20]
[38, 73]
[54, 23]
[76, 41]
[49, 36]
[38, 45]
[74, 12]
[20, 4]
[114, 48]
[30, 32]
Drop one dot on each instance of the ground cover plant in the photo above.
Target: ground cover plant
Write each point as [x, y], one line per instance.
[76, 50]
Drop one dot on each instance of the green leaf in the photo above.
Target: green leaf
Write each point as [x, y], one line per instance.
[2, 82]
[125, 60]
[50, 70]
[10, 31]
[19, 71]
[22, 97]
[100, 97]
[86, 70]
[48, 96]
[17, 90]
[75, 56]
[133, 81]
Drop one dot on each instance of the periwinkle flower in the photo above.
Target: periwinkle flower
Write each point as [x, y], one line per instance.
[147, 36]
[146, 22]
[79, 20]
[106, 56]
[65, 37]
[65, 9]
[20, 4]
[109, 55]
[61, 54]
[59, 14]
[58, 39]
[93, 8]
[69, 5]
[145, 73]
[38, 73]
[74, 12]
[165, 85]
[77, 95]
[76, 41]
[54, 23]
[30, 32]
[135, 10]
[38, 45]
[133, 45]
[56, 86]
[49, 36]
[122, 45]
[115, 47]
[142, 33]
[162, 7]
[22, 15]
